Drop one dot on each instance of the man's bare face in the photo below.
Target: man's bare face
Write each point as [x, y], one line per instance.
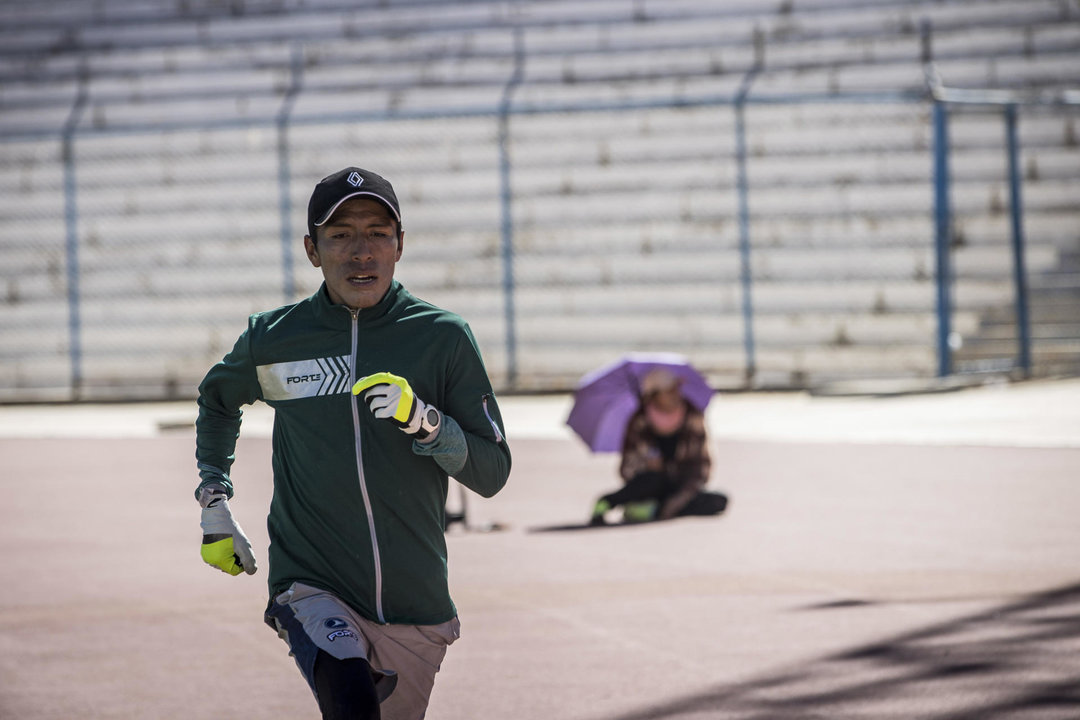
[357, 250]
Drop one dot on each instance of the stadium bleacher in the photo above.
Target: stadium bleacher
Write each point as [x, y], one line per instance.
[621, 137]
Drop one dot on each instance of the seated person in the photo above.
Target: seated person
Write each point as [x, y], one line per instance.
[665, 458]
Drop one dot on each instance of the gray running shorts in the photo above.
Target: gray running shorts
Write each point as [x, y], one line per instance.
[405, 658]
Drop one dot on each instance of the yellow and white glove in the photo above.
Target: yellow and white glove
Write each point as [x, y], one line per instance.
[391, 398]
[224, 544]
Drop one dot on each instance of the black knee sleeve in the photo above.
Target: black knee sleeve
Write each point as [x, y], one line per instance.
[345, 688]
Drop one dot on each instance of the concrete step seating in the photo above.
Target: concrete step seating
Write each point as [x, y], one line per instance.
[838, 150]
[860, 26]
[245, 55]
[859, 298]
[179, 188]
[624, 223]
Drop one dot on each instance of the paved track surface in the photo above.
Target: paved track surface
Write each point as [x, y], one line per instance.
[909, 557]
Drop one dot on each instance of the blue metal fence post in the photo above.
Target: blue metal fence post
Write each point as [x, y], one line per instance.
[284, 176]
[942, 236]
[506, 204]
[71, 232]
[743, 191]
[1016, 212]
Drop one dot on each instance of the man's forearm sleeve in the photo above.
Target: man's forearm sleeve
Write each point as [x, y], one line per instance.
[449, 449]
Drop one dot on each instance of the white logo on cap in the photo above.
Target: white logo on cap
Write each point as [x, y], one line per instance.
[354, 179]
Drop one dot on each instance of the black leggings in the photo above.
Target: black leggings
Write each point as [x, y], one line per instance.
[345, 689]
[656, 486]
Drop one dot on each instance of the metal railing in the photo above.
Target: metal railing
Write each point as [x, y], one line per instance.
[993, 101]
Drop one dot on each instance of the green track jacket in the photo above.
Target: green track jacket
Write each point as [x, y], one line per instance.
[356, 510]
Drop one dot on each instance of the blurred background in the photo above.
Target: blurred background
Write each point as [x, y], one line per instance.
[792, 193]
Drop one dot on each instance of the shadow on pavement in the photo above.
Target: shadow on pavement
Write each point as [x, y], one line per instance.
[1021, 660]
[570, 527]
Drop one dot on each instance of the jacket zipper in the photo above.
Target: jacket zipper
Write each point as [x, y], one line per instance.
[360, 469]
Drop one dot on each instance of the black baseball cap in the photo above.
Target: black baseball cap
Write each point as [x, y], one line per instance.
[351, 182]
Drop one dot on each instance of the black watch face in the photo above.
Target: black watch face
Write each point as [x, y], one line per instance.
[432, 417]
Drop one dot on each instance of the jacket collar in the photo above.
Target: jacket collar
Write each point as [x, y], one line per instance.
[336, 315]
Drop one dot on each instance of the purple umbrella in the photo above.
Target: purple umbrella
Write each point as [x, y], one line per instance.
[606, 398]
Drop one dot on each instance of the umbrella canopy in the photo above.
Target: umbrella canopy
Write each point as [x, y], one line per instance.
[606, 398]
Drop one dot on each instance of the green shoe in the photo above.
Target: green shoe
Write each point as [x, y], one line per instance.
[639, 511]
[601, 507]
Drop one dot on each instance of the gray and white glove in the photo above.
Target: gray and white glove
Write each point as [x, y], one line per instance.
[224, 544]
[392, 398]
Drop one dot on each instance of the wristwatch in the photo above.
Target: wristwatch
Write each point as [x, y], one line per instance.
[429, 423]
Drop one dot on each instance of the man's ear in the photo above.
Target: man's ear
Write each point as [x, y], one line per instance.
[313, 251]
[400, 244]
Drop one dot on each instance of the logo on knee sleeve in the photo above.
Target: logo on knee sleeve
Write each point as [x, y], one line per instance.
[340, 634]
[340, 629]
